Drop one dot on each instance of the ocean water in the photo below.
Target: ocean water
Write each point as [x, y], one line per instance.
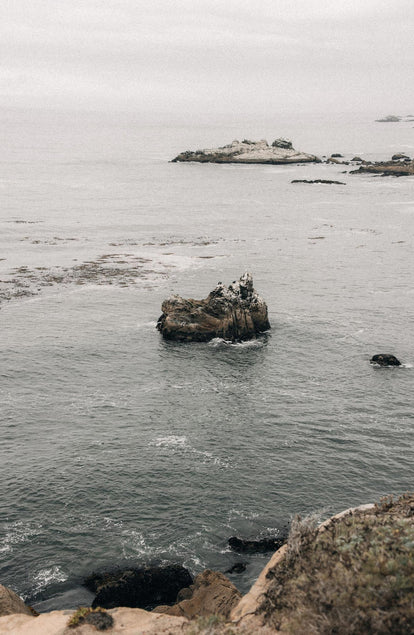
[119, 447]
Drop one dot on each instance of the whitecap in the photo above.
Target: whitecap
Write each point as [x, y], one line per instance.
[170, 441]
[44, 577]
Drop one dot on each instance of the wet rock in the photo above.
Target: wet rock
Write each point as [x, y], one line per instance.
[246, 151]
[337, 155]
[255, 546]
[387, 168]
[385, 359]
[324, 181]
[400, 156]
[234, 313]
[138, 587]
[11, 603]
[211, 594]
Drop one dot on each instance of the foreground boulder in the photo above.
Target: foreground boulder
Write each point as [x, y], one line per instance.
[255, 546]
[211, 594]
[11, 603]
[281, 151]
[233, 313]
[138, 587]
[384, 359]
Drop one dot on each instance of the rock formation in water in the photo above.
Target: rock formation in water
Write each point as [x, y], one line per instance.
[323, 181]
[281, 151]
[255, 546]
[233, 313]
[395, 167]
[389, 119]
[385, 359]
[138, 587]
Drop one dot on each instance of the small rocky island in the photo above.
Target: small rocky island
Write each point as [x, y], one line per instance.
[281, 151]
[399, 165]
[234, 313]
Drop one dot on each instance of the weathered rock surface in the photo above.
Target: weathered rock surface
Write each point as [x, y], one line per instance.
[256, 546]
[323, 181]
[211, 594]
[385, 359]
[11, 603]
[138, 587]
[233, 313]
[281, 151]
[387, 168]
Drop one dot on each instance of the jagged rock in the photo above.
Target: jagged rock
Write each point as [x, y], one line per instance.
[211, 594]
[282, 143]
[11, 603]
[233, 313]
[255, 546]
[385, 359]
[387, 168]
[138, 587]
[318, 181]
[281, 151]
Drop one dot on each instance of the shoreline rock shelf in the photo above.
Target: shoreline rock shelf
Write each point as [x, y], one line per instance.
[234, 313]
[280, 152]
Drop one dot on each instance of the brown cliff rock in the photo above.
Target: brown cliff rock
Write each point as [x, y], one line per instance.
[211, 594]
[234, 313]
[11, 603]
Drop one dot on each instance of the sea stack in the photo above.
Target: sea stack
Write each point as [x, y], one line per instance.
[234, 313]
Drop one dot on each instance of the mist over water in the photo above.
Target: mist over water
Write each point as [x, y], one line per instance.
[118, 446]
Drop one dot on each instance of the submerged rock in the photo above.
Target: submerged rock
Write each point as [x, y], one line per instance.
[385, 359]
[324, 181]
[138, 587]
[233, 313]
[255, 546]
[281, 151]
[389, 119]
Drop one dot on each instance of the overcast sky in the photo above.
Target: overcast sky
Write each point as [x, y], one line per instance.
[209, 55]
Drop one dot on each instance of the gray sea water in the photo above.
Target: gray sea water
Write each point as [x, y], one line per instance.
[119, 447]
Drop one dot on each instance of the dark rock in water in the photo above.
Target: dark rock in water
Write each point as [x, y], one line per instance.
[385, 359]
[282, 143]
[389, 119]
[238, 567]
[336, 155]
[233, 313]
[399, 156]
[255, 546]
[318, 181]
[357, 159]
[387, 168]
[138, 587]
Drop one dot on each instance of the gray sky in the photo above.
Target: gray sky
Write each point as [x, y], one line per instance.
[209, 55]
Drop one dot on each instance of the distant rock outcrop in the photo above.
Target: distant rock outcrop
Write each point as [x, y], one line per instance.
[389, 119]
[395, 167]
[281, 151]
[233, 313]
[323, 181]
[385, 359]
